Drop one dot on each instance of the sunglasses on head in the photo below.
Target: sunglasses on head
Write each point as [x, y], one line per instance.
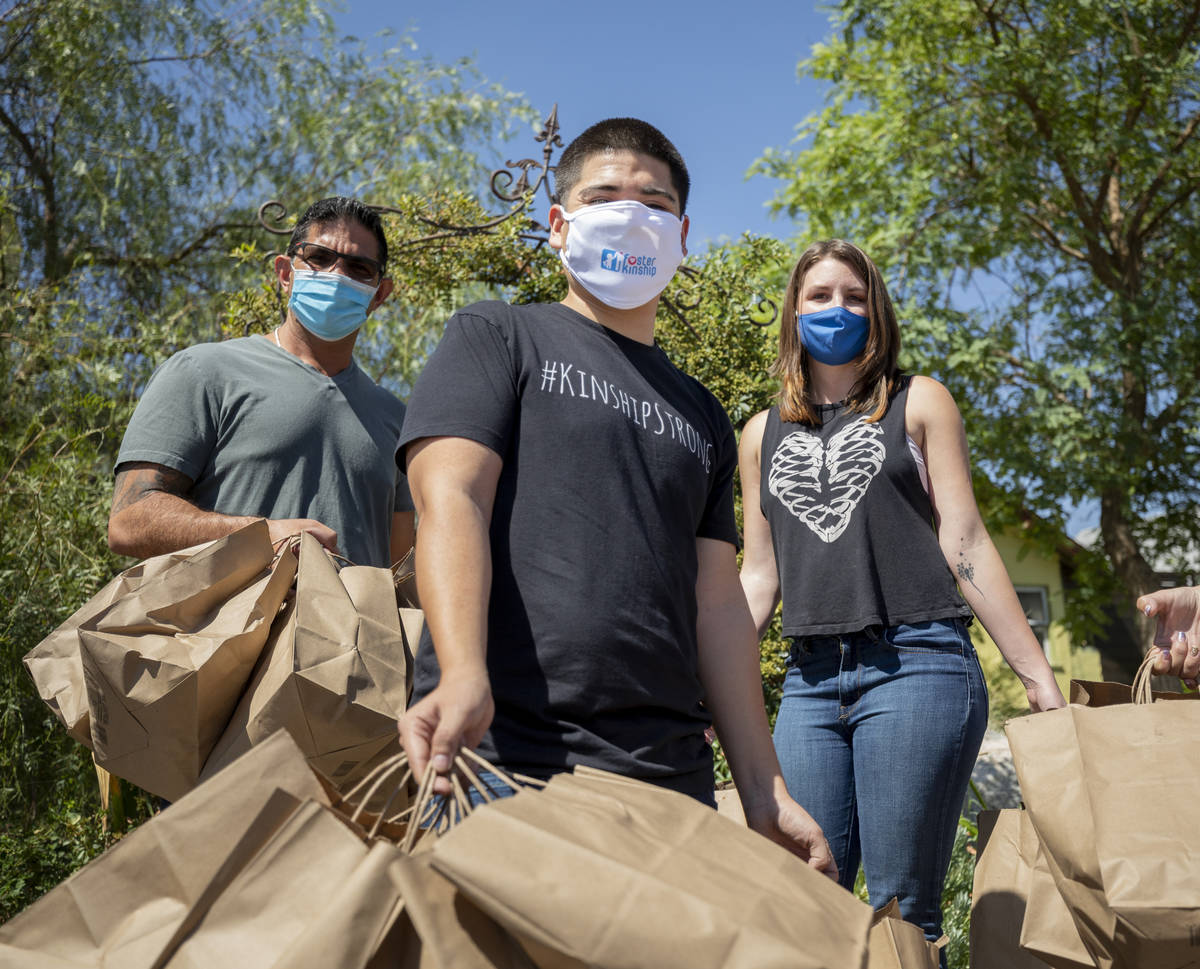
[359, 268]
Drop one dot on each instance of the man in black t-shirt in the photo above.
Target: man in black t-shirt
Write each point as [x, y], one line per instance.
[576, 553]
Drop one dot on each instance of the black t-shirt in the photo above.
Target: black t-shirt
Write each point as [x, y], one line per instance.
[614, 463]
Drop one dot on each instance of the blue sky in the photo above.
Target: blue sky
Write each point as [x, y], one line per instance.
[719, 79]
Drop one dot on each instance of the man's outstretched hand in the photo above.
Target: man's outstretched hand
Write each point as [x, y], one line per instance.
[456, 714]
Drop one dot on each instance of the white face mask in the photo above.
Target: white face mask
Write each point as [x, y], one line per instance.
[623, 253]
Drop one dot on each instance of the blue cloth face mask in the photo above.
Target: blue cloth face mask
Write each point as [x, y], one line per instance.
[833, 336]
[329, 305]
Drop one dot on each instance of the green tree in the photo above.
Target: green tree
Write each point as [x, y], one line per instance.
[180, 118]
[137, 140]
[720, 327]
[1039, 159]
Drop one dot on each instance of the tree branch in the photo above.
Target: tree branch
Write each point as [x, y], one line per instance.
[1052, 237]
[50, 257]
[1099, 259]
[17, 37]
[1034, 379]
[111, 258]
[1146, 198]
[1180, 199]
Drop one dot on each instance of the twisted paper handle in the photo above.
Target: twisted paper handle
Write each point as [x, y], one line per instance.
[430, 813]
[294, 539]
[1141, 691]
[406, 568]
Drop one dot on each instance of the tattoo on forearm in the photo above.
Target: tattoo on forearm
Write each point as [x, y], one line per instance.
[141, 481]
[966, 571]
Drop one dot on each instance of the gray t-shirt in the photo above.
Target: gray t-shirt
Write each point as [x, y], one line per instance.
[262, 433]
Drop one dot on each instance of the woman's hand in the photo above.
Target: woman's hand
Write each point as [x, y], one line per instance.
[1044, 695]
[1178, 631]
[786, 823]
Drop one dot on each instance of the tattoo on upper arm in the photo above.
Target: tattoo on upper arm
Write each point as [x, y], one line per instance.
[137, 481]
[966, 571]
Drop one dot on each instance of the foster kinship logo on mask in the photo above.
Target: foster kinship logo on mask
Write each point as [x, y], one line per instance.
[627, 263]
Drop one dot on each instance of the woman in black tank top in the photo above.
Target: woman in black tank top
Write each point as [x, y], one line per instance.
[860, 516]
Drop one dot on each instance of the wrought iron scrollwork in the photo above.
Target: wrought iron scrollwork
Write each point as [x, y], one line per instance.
[687, 298]
[519, 191]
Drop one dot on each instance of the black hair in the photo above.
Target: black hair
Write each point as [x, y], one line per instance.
[620, 134]
[341, 208]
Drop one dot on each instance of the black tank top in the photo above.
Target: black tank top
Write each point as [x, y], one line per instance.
[852, 525]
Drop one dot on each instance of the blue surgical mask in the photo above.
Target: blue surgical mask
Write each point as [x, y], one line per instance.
[833, 336]
[329, 305]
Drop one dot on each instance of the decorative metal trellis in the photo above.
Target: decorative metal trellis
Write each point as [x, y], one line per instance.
[519, 192]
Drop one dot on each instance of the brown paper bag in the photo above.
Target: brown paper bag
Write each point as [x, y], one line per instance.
[165, 666]
[1112, 793]
[336, 672]
[353, 927]
[325, 892]
[729, 805]
[453, 932]
[128, 906]
[1000, 894]
[1048, 930]
[1101, 693]
[314, 896]
[55, 664]
[404, 577]
[619, 874]
[896, 944]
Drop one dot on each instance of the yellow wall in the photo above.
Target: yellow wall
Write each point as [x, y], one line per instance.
[1031, 569]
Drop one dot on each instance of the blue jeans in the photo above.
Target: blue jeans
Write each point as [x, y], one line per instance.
[442, 808]
[494, 785]
[877, 735]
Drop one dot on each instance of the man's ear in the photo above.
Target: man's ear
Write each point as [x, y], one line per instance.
[683, 238]
[383, 292]
[558, 227]
[283, 272]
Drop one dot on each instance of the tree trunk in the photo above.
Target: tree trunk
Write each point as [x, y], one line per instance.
[1134, 573]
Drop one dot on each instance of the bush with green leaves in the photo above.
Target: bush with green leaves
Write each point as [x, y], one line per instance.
[128, 230]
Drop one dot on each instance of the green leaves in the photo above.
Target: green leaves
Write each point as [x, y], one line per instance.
[137, 141]
[1028, 176]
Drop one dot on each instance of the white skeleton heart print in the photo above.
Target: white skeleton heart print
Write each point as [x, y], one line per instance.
[822, 484]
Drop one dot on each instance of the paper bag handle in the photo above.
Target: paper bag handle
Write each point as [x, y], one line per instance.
[429, 812]
[405, 568]
[1141, 691]
[280, 543]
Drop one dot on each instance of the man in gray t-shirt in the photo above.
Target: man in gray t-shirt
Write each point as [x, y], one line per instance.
[285, 427]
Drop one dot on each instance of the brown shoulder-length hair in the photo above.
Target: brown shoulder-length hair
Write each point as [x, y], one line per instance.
[878, 370]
